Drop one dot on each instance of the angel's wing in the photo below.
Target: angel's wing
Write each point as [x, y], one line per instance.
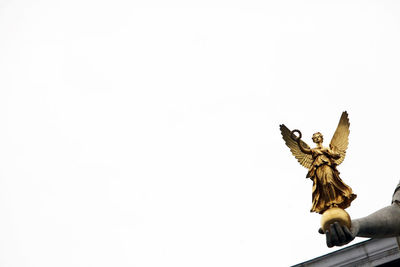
[340, 140]
[304, 159]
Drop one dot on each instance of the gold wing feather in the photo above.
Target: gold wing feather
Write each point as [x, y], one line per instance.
[340, 140]
[304, 159]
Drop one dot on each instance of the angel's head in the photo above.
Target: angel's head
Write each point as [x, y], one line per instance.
[318, 138]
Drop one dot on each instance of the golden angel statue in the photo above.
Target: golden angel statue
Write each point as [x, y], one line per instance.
[328, 190]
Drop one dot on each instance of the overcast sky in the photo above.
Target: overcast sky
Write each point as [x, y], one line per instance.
[146, 133]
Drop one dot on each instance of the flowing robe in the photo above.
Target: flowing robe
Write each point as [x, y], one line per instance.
[328, 189]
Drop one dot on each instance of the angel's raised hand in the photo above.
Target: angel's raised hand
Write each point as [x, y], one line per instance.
[294, 137]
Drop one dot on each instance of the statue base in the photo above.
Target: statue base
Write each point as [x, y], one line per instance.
[335, 214]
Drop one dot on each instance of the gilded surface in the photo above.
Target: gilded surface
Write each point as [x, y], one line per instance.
[328, 189]
[333, 215]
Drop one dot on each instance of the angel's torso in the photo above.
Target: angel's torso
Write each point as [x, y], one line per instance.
[321, 155]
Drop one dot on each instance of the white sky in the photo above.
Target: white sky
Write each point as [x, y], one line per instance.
[146, 133]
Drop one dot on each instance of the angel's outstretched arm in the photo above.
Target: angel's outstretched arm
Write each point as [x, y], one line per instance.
[297, 150]
[297, 139]
[303, 149]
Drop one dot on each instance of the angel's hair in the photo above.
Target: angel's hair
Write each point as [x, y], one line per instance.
[314, 136]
